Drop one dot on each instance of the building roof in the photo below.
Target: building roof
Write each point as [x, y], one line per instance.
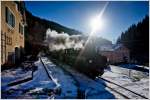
[112, 47]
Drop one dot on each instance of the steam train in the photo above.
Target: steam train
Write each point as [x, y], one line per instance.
[89, 63]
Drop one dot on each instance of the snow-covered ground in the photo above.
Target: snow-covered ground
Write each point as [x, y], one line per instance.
[95, 89]
[33, 88]
[136, 67]
[11, 75]
[72, 83]
[67, 83]
[90, 88]
[121, 76]
[134, 74]
[42, 86]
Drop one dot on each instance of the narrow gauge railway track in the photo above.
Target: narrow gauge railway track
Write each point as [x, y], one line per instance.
[20, 81]
[125, 96]
[58, 88]
[62, 69]
[45, 69]
[90, 78]
[67, 72]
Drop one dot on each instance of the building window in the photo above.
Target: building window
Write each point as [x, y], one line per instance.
[10, 18]
[20, 29]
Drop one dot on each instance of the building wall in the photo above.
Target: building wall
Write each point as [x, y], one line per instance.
[117, 56]
[10, 36]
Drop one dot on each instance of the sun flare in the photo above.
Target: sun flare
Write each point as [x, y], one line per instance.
[96, 23]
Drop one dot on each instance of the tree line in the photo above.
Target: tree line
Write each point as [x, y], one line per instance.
[136, 39]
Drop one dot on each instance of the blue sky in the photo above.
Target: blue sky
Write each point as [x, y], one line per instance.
[77, 14]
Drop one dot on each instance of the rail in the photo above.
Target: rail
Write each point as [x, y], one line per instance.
[122, 88]
[45, 69]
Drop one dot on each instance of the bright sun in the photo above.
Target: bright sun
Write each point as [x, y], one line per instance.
[96, 23]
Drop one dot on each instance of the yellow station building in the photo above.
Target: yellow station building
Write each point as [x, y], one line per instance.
[13, 22]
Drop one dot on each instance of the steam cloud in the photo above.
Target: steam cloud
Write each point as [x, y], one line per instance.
[58, 41]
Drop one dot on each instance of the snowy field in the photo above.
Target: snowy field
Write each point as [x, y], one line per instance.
[122, 77]
[8, 76]
[134, 74]
[32, 89]
[41, 86]
[73, 84]
[135, 67]
[93, 88]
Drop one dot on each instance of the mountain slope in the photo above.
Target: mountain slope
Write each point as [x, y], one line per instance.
[38, 25]
[35, 31]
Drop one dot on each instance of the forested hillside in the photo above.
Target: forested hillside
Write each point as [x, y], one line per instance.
[136, 38]
[36, 31]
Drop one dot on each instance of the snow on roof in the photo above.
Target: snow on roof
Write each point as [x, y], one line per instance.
[112, 47]
[105, 48]
[117, 46]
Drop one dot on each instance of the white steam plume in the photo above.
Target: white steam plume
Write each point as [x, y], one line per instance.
[58, 41]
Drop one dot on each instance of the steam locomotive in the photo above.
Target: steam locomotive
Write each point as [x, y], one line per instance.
[89, 63]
